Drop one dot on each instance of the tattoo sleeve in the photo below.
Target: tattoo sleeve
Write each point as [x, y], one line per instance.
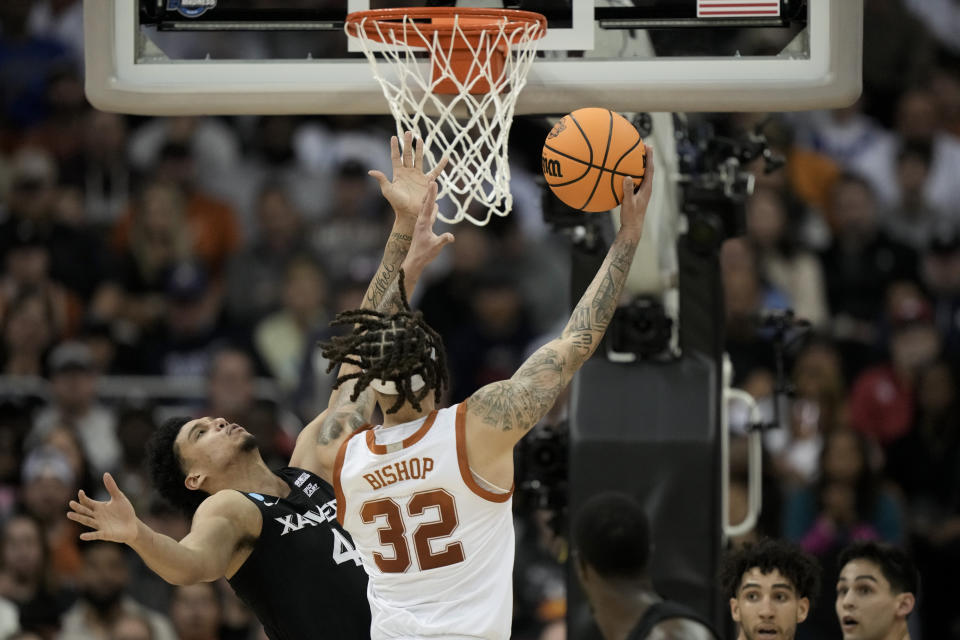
[393, 255]
[519, 403]
[345, 413]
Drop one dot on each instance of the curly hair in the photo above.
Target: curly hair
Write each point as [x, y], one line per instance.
[166, 467]
[392, 348]
[801, 569]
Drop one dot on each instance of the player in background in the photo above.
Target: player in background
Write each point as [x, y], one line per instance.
[876, 592]
[611, 550]
[426, 495]
[274, 535]
[770, 585]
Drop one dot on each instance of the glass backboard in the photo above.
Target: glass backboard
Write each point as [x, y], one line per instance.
[169, 57]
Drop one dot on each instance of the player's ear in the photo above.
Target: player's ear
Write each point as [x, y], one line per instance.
[905, 604]
[194, 481]
[735, 609]
[803, 609]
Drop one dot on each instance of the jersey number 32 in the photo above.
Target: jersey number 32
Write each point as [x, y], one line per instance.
[393, 534]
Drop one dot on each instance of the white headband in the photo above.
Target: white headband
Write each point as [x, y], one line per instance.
[389, 387]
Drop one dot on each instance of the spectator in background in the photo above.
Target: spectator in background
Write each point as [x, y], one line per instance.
[100, 171]
[882, 398]
[74, 405]
[348, 238]
[25, 575]
[941, 277]
[31, 201]
[208, 141]
[15, 423]
[195, 611]
[446, 301]
[134, 426]
[782, 262]
[104, 597]
[924, 463]
[862, 262]
[214, 230]
[29, 328]
[918, 121]
[131, 626]
[913, 220]
[48, 482]
[27, 265]
[815, 412]
[281, 338]
[256, 274]
[26, 61]
[847, 503]
[492, 343]
[193, 327]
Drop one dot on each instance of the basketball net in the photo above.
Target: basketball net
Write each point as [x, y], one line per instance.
[461, 101]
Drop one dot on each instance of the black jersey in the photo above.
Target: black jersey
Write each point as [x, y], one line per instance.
[303, 578]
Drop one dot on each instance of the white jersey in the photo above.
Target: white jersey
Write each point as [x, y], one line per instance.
[438, 546]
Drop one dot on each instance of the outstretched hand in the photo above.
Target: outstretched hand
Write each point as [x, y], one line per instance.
[426, 245]
[114, 520]
[405, 192]
[633, 209]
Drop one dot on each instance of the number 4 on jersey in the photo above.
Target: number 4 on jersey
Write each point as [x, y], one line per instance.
[343, 550]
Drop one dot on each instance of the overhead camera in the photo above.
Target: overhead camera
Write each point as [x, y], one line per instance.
[641, 328]
[714, 181]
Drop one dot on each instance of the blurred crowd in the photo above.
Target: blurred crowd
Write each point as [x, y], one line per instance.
[154, 265]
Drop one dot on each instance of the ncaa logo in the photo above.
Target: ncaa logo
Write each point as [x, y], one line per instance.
[191, 8]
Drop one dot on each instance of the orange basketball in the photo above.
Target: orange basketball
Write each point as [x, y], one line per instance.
[587, 155]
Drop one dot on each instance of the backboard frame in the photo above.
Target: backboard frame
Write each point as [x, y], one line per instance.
[829, 77]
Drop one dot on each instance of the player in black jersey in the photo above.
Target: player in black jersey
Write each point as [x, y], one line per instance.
[611, 537]
[274, 535]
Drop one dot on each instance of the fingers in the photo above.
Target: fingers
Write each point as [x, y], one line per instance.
[92, 535]
[79, 508]
[407, 148]
[427, 213]
[86, 500]
[627, 187]
[435, 173]
[647, 186]
[86, 521]
[111, 486]
[379, 176]
[418, 153]
[447, 238]
[395, 153]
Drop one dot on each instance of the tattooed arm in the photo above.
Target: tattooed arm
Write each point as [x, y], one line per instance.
[501, 413]
[345, 415]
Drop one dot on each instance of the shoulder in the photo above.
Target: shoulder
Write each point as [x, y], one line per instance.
[229, 504]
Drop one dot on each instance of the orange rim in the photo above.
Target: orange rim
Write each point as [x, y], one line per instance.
[474, 22]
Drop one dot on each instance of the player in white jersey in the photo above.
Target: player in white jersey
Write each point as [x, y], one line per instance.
[425, 495]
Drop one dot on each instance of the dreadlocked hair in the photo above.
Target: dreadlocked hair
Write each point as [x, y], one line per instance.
[392, 348]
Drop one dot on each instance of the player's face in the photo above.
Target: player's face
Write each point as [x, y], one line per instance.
[767, 606]
[866, 607]
[208, 444]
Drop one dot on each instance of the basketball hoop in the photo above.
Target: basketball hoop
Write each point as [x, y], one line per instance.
[463, 105]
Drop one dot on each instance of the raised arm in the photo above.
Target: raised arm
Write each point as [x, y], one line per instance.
[500, 414]
[211, 550]
[346, 414]
[405, 193]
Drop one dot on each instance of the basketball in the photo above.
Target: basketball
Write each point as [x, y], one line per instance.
[587, 155]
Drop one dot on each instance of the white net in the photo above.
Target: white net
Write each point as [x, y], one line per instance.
[472, 129]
